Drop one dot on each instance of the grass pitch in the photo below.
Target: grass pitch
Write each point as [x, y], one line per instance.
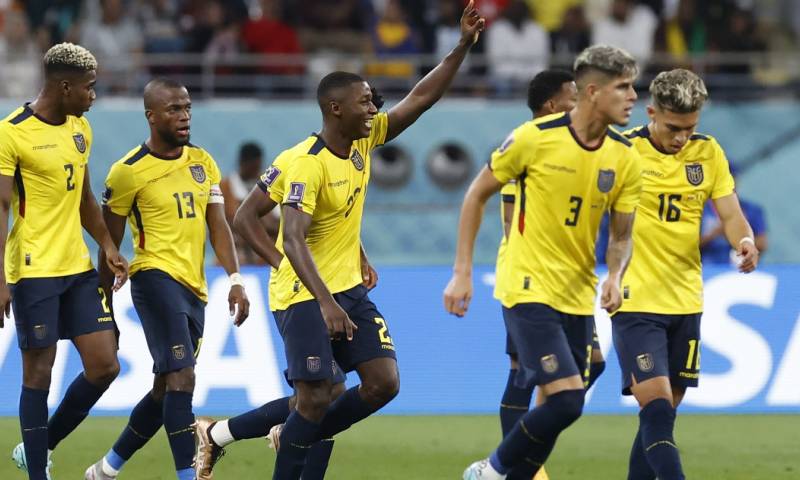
[432, 448]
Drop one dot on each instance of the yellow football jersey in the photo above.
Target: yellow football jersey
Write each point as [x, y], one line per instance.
[665, 274]
[508, 194]
[165, 200]
[48, 163]
[331, 189]
[564, 188]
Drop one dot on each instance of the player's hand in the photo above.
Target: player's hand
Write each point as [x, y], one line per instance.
[238, 304]
[337, 320]
[5, 302]
[472, 24]
[747, 253]
[458, 294]
[118, 266]
[368, 274]
[610, 296]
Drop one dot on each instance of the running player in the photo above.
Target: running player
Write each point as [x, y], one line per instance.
[570, 168]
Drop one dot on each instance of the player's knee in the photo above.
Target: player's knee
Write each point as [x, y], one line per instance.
[37, 376]
[567, 405]
[181, 381]
[103, 374]
[312, 403]
[380, 391]
[159, 388]
[337, 390]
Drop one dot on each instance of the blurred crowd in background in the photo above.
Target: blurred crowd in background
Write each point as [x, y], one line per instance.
[241, 47]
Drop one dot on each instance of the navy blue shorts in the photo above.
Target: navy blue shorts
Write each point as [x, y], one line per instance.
[172, 318]
[312, 355]
[511, 349]
[653, 345]
[51, 308]
[550, 344]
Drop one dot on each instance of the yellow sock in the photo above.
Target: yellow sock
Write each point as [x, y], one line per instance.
[541, 475]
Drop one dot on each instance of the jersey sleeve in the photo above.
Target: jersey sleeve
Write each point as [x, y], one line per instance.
[509, 192]
[628, 198]
[89, 137]
[302, 183]
[507, 162]
[723, 180]
[8, 154]
[380, 126]
[214, 173]
[120, 191]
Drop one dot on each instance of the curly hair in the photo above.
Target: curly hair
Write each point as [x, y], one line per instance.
[68, 57]
[679, 91]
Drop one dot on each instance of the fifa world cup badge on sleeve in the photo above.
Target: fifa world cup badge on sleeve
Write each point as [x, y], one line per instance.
[270, 175]
[296, 192]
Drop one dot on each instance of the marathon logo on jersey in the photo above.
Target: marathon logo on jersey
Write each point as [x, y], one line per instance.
[80, 142]
[645, 362]
[358, 160]
[271, 175]
[694, 173]
[296, 192]
[198, 173]
[179, 352]
[549, 363]
[605, 180]
[313, 364]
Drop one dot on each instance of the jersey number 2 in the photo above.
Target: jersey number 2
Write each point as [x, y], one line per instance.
[70, 169]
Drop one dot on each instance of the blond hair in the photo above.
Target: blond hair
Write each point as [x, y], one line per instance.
[679, 91]
[609, 60]
[68, 56]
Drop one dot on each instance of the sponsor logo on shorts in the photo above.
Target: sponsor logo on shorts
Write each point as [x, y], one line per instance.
[39, 331]
[550, 363]
[689, 375]
[105, 319]
[179, 352]
[313, 364]
[645, 362]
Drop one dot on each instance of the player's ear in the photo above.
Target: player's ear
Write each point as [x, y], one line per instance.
[148, 114]
[651, 112]
[335, 108]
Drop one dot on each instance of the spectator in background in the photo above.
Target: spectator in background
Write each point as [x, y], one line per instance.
[52, 21]
[516, 47]
[447, 30]
[116, 41]
[550, 14]
[235, 188]
[268, 34]
[681, 35]
[159, 20]
[342, 29]
[714, 247]
[739, 36]
[20, 58]
[572, 38]
[628, 26]
[393, 35]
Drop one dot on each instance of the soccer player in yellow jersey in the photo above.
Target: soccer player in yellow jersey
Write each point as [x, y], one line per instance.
[570, 168]
[47, 275]
[657, 329]
[214, 436]
[168, 190]
[320, 305]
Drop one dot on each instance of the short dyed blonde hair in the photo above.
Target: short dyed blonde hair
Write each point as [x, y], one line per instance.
[679, 91]
[68, 56]
[610, 60]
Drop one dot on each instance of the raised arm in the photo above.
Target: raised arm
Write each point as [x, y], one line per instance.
[618, 255]
[222, 243]
[92, 221]
[431, 88]
[458, 292]
[6, 184]
[247, 223]
[737, 231]
[295, 229]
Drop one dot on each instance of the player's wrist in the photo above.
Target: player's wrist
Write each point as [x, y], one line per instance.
[748, 239]
[236, 279]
